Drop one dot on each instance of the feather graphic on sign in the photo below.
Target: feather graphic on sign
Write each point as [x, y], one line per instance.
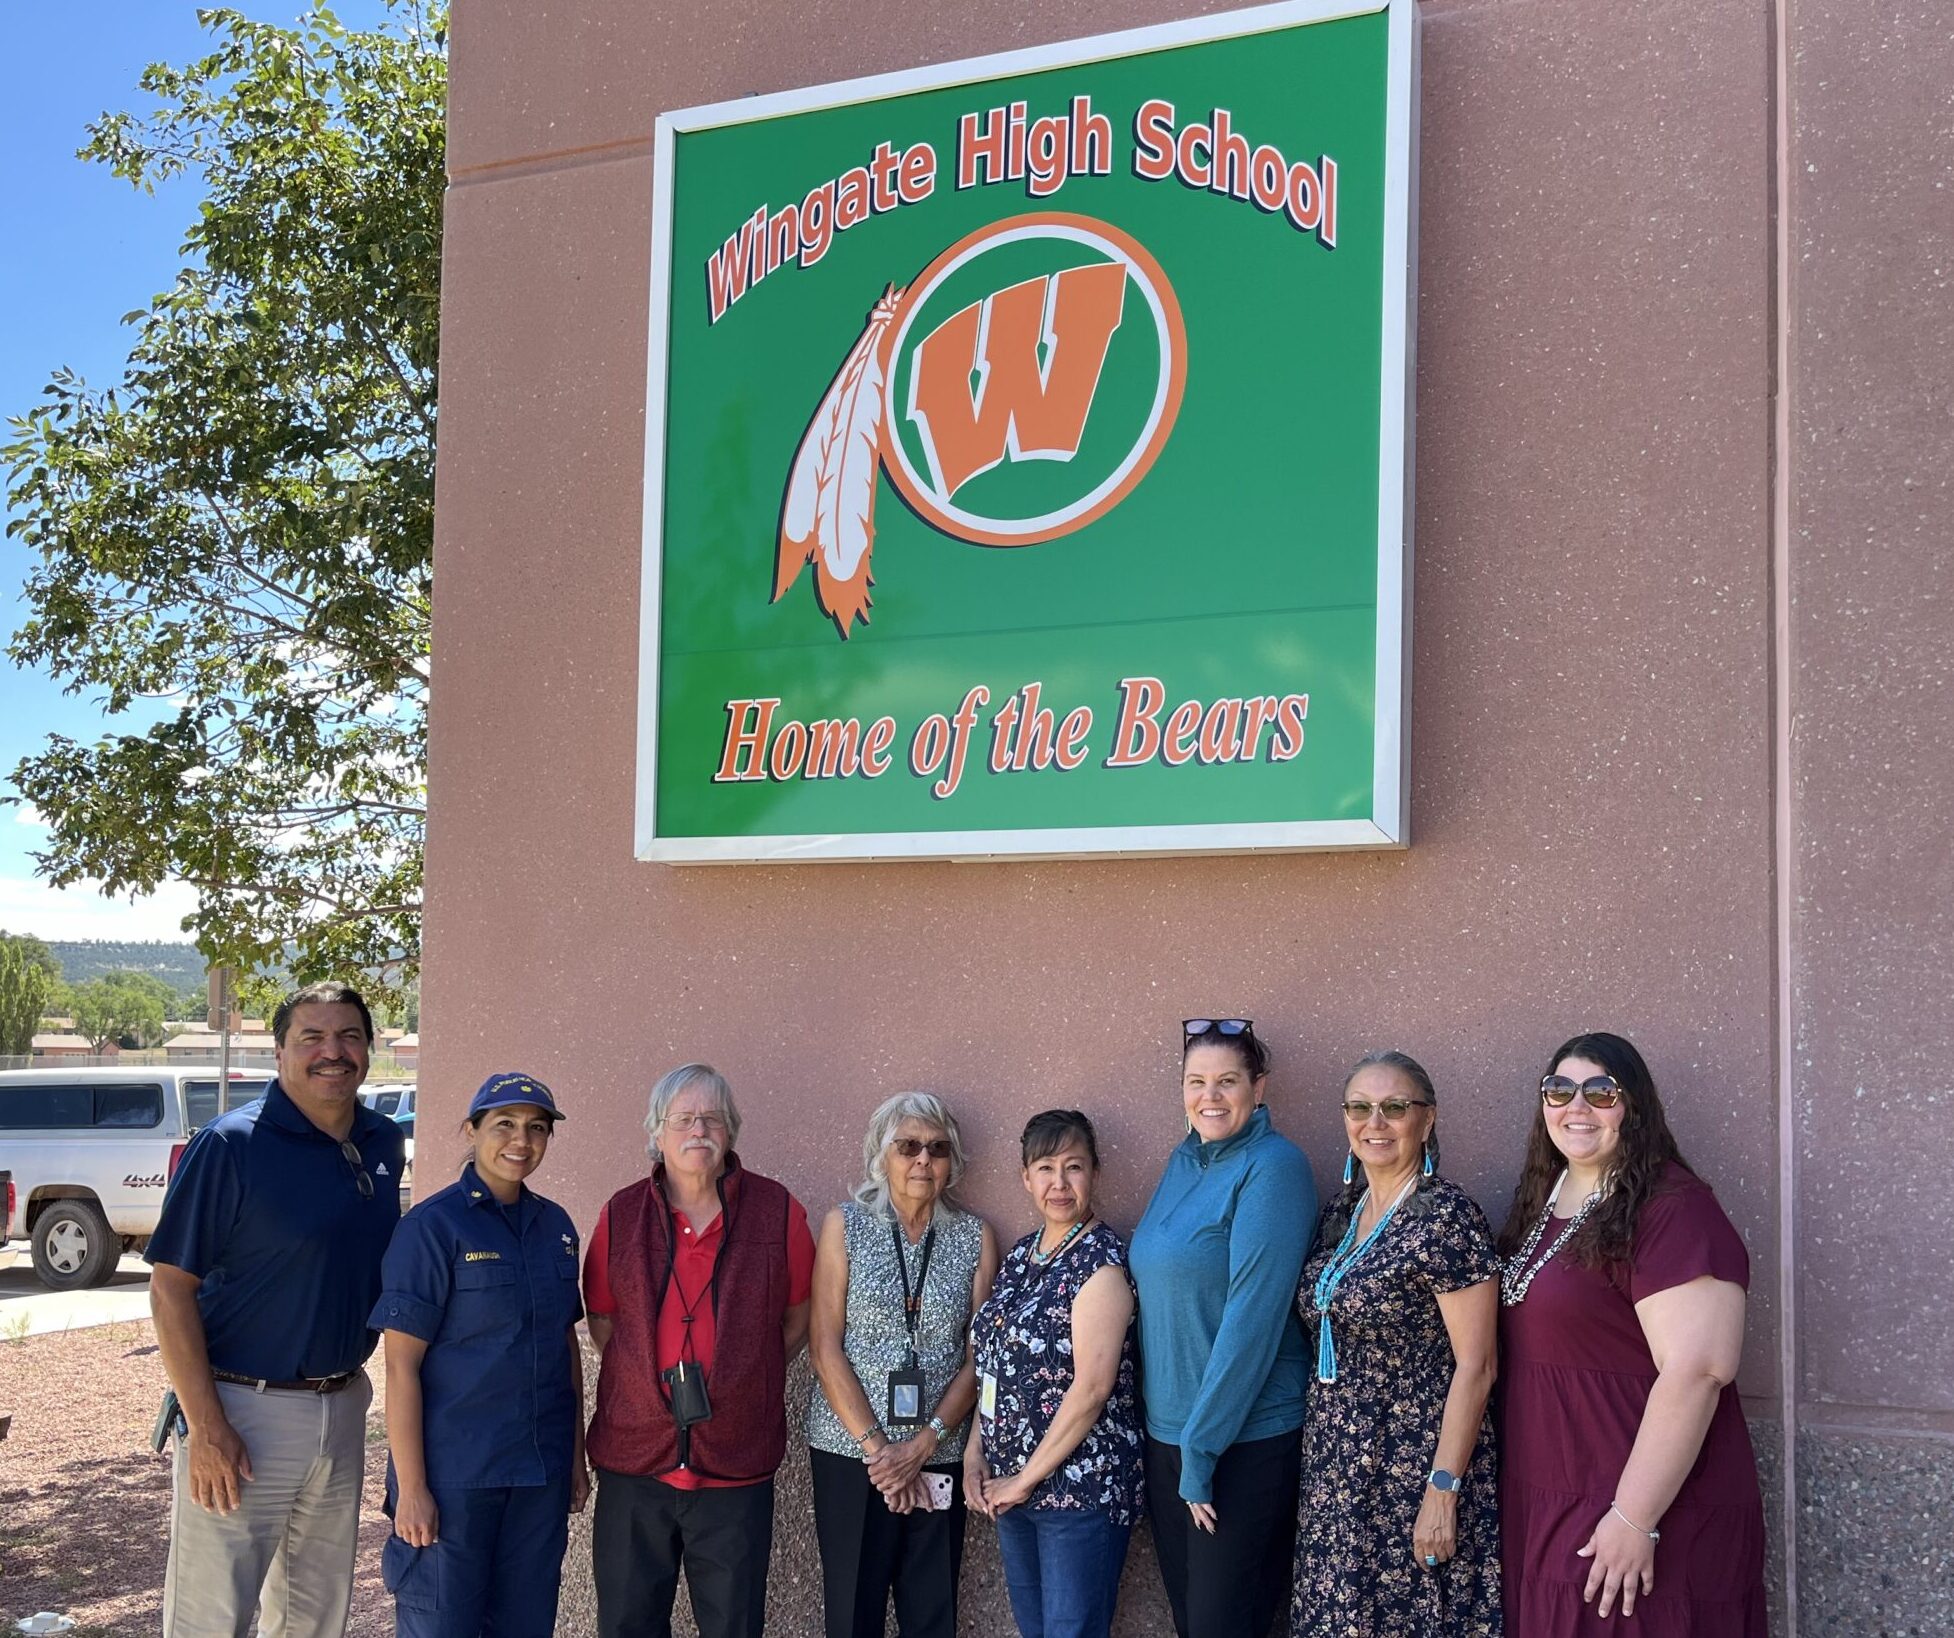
[828, 513]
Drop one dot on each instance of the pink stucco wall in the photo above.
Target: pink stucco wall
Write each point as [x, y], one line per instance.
[1680, 663]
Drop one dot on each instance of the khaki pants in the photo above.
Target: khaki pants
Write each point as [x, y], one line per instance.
[288, 1549]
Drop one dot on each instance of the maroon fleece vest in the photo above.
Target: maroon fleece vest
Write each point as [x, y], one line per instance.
[746, 1436]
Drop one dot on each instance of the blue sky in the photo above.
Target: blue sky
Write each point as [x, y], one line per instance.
[81, 249]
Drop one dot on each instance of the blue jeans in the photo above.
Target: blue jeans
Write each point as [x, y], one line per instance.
[1062, 1566]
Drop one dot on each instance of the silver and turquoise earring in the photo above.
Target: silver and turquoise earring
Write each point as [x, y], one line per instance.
[1431, 1166]
[1349, 1169]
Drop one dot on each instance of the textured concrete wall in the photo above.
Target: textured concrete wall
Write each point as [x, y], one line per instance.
[1596, 793]
[1870, 486]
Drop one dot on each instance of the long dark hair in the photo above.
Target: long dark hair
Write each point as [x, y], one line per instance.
[1647, 1147]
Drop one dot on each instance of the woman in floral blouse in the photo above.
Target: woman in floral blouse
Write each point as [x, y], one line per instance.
[1399, 1511]
[1057, 1461]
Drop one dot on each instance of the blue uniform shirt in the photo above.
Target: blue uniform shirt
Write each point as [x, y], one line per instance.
[493, 1293]
[265, 1209]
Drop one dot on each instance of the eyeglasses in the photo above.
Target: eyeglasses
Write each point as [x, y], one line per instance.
[910, 1148]
[691, 1123]
[1600, 1091]
[1217, 1026]
[1390, 1108]
[351, 1151]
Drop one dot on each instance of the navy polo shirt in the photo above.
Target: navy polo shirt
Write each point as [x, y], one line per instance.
[266, 1210]
[492, 1291]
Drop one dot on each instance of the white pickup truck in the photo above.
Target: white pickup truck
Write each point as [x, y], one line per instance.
[91, 1151]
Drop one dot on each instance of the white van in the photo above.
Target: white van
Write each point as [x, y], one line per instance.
[91, 1152]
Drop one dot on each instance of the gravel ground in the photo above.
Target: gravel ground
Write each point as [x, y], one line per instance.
[84, 1507]
[84, 1502]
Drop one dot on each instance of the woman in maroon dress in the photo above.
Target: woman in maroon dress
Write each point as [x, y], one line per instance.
[1627, 1481]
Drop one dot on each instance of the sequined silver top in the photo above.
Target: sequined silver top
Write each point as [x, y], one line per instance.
[875, 1339]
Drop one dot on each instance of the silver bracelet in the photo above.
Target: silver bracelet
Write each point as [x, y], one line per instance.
[1653, 1535]
[861, 1444]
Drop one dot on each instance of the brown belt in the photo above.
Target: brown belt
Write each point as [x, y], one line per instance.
[304, 1384]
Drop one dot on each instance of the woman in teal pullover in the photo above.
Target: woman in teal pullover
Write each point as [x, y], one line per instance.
[1216, 1259]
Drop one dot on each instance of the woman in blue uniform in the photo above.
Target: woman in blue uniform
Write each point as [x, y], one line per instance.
[484, 1386]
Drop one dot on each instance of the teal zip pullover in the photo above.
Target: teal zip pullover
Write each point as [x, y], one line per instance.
[1216, 1260]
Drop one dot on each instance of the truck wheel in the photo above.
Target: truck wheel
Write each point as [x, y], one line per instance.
[73, 1248]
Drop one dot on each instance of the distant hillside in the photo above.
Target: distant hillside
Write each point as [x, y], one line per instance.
[178, 965]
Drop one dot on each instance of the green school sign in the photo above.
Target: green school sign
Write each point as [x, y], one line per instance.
[1028, 453]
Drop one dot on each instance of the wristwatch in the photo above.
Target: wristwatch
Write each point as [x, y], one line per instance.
[1451, 1483]
[937, 1427]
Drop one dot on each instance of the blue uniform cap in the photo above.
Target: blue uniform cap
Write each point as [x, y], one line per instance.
[509, 1087]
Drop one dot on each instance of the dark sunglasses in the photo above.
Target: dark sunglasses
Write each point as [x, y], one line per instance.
[1600, 1091]
[1217, 1026]
[351, 1151]
[1390, 1108]
[910, 1148]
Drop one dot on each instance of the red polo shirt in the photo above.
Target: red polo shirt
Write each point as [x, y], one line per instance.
[692, 1260]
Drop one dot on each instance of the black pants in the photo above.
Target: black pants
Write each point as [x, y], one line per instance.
[867, 1553]
[645, 1531]
[1235, 1582]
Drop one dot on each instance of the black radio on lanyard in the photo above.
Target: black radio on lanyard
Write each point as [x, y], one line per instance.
[906, 1385]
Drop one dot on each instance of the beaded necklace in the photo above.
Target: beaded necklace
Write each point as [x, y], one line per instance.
[1515, 1277]
[1342, 1260]
[1042, 1258]
[1038, 1262]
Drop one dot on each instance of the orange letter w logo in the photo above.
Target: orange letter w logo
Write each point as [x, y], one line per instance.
[1015, 373]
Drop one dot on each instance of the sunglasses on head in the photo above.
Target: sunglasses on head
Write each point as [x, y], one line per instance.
[910, 1148]
[1390, 1108]
[1598, 1091]
[1217, 1026]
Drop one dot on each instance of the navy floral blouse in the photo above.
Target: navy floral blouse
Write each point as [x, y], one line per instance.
[1023, 1337]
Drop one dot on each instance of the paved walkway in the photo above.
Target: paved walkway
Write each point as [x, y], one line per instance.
[29, 1309]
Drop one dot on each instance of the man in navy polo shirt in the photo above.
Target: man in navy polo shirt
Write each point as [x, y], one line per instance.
[266, 1264]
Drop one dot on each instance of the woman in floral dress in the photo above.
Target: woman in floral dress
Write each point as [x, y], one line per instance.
[1398, 1529]
[1056, 1460]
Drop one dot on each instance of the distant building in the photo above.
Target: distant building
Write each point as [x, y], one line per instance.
[198, 1045]
[62, 1045]
[194, 1046]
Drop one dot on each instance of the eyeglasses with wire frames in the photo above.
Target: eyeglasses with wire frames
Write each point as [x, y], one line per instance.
[1392, 1109]
[351, 1151]
[706, 1121]
[1597, 1091]
[1192, 1027]
[910, 1148]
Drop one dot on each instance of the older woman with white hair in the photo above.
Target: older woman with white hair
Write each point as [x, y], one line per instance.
[697, 1284]
[900, 1268]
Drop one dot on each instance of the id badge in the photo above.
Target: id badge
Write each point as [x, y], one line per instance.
[987, 1398]
[905, 1398]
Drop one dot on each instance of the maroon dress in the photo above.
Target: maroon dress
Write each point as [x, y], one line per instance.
[1574, 1376]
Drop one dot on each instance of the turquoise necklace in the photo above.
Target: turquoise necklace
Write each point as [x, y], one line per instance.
[1041, 1258]
[1349, 1251]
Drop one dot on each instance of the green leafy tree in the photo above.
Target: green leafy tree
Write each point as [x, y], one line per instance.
[121, 1005]
[243, 527]
[36, 951]
[26, 992]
